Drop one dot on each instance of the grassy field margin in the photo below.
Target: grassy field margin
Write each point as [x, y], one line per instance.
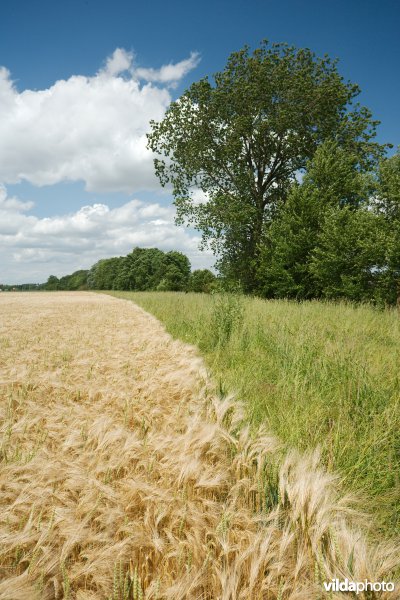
[318, 374]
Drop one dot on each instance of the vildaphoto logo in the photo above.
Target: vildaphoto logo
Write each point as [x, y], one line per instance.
[336, 585]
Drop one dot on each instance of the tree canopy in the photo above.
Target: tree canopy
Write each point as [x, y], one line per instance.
[142, 269]
[243, 138]
[203, 281]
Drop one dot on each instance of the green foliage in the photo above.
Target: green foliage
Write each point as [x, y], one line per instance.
[357, 254]
[142, 269]
[176, 272]
[103, 274]
[76, 281]
[226, 317]
[284, 258]
[202, 281]
[388, 205]
[242, 139]
[52, 283]
[334, 176]
[389, 187]
[350, 260]
[332, 183]
[22, 287]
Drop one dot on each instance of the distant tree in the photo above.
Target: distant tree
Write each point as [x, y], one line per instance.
[75, 281]
[63, 282]
[52, 283]
[202, 280]
[78, 280]
[172, 280]
[176, 269]
[143, 268]
[243, 138]
[103, 274]
[122, 280]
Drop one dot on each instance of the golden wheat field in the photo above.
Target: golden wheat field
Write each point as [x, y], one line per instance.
[124, 475]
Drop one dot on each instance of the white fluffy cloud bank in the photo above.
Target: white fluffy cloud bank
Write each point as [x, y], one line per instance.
[32, 248]
[90, 129]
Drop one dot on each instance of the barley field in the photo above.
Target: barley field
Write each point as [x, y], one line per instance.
[127, 472]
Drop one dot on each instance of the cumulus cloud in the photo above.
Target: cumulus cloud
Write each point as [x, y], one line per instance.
[12, 205]
[32, 248]
[118, 63]
[90, 129]
[170, 73]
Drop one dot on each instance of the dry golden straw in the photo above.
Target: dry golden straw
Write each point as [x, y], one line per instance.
[125, 476]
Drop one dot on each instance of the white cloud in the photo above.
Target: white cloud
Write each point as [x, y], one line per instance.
[32, 248]
[86, 128]
[12, 204]
[120, 61]
[169, 73]
[199, 197]
[90, 129]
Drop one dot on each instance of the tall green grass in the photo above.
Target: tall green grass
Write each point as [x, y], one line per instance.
[318, 374]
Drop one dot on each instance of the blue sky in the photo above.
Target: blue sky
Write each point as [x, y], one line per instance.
[56, 77]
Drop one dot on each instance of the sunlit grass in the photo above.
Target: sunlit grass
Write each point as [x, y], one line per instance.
[318, 374]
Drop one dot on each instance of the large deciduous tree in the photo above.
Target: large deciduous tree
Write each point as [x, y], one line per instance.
[242, 138]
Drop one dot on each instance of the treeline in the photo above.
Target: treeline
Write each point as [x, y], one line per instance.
[22, 287]
[76, 281]
[142, 269]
